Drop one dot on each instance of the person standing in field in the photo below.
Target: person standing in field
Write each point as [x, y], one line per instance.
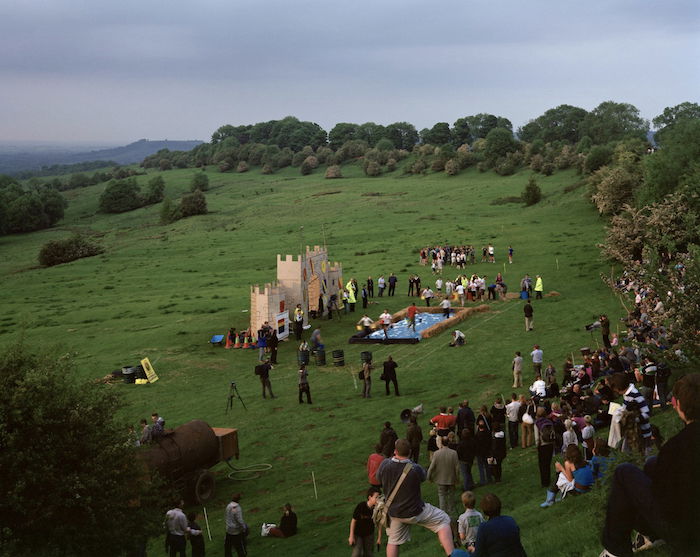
[517, 371]
[529, 312]
[370, 287]
[362, 536]
[389, 375]
[411, 314]
[510, 254]
[539, 288]
[392, 284]
[236, 528]
[381, 285]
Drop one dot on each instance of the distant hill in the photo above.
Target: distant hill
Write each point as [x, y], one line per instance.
[14, 162]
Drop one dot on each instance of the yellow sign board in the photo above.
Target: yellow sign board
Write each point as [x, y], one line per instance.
[150, 372]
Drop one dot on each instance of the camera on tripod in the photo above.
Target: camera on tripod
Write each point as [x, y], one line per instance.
[233, 393]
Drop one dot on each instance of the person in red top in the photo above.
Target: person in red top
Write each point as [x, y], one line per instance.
[411, 313]
[373, 462]
[444, 422]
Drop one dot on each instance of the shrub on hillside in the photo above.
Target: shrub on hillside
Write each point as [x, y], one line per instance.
[267, 169]
[305, 168]
[242, 167]
[536, 162]
[169, 212]
[165, 164]
[373, 168]
[194, 203]
[598, 156]
[156, 190]
[64, 251]
[333, 171]
[224, 166]
[324, 154]
[25, 211]
[452, 167]
[548, 168]
[120, 196]
[419, 166]
[284, 159]
[532, 193]
[391, 165]
[200, 181]
[438, 165]
[312, 160]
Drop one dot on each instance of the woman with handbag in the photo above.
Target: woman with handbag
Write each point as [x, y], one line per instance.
[527, 422]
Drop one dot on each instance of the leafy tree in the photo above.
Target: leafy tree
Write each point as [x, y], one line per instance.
[670, 167]
[25, 213]
[612, 187]
[341, 133]
[481, 124]
[439, 134]
[200, 181]
[53, 205]
[156, 190]
[461, 132]
[611, 121]
[120, 196]
[499, 142]
[671, 115]
[165, 164]
[65, 462]
[79, 181]
[385, 144]
[402, 134]
[562, 123]
[532, 193]
[371, 133]
[194, 203]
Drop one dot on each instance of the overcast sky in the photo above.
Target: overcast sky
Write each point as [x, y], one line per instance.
[120, 70]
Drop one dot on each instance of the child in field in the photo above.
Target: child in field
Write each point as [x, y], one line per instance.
[195, 534]
[569, 437]
[469, 521]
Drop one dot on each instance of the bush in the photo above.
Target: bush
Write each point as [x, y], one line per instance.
[452, 167]
[419, 166]
[242, 167]
[305, 168]
[333, 171]
[267, 169]
[504, 167]
[200, 181]
[64, 251]
[324, 154]
[194, 203]
[165, 164]
[156, 190]
[373, 168]
[532, 193]
[312, 161]
[598, 156]
[391, 165]
[169, 212]
[121, 196]
[548, 168]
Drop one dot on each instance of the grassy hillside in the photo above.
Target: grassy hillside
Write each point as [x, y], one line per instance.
[162, 291]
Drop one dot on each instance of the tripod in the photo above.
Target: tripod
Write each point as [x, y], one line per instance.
[233, 393]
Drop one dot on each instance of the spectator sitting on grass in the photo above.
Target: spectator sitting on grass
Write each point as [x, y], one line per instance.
[574, 476]
[288, 524]
[601, 458]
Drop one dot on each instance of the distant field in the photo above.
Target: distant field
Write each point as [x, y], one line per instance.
[162, 291]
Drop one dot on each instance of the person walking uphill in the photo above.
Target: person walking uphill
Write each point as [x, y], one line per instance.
[444, 471]
[408, 507]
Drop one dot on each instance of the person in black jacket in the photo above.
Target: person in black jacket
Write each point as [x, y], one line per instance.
[498, 452]
[483, 452]
[660, 502]
[288, 524]
[466, 451]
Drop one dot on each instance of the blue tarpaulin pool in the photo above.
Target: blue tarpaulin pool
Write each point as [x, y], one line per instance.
[400, 329]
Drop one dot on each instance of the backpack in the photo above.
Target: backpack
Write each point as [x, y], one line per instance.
[547, 434]
[361, 375]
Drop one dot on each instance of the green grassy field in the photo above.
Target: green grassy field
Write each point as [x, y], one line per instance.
[162, 291]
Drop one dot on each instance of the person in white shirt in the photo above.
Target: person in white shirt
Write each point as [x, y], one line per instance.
[538, 388]
[385, 320]
[427, 296]
[537, 357]
[457, 338]
[176, 523]
[236, 528]
[460, 293]
[512, 409]
[438, 285]
[366, 321]
[445, 305]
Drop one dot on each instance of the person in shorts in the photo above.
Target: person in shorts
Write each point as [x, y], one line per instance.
[408, 507]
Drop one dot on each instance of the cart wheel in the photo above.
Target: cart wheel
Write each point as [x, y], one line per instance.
[203, 486]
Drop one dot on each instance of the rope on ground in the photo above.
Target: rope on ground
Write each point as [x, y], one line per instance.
[247, 472]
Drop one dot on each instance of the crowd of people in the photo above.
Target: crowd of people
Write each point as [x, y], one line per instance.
[458, 256]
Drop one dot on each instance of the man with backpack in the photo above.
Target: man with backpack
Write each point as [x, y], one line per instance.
[407, 506]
